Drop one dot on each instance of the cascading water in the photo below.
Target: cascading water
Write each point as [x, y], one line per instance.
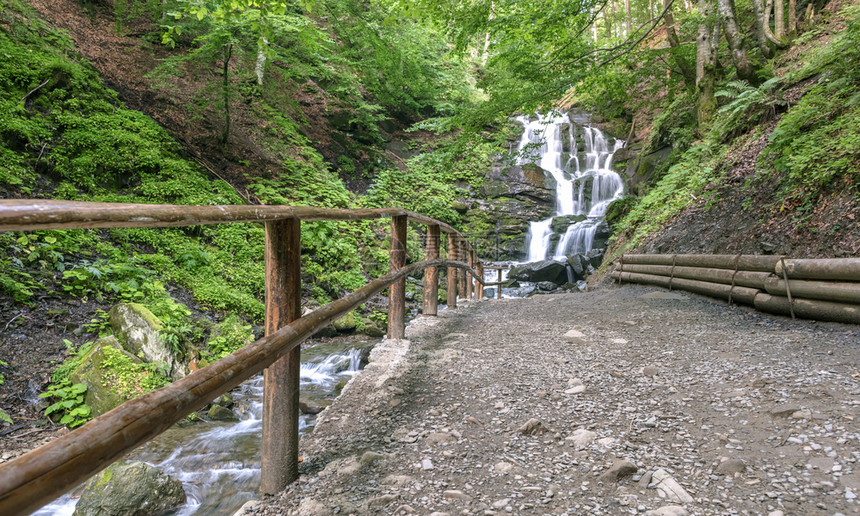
[585, 183]
[219, 463]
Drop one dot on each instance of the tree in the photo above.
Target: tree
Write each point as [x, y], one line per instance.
[707, 44]
[740, 58]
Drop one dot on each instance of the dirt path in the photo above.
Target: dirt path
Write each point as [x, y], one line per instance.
[666, 400]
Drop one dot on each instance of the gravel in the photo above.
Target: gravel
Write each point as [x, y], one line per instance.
[688, 406]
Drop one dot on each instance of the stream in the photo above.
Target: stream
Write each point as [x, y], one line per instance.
[219, 462]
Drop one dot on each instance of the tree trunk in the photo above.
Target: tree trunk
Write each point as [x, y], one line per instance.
[628, 19]
[736, 43]
[792, 17]
[679, 62]
[707, 43]
[260, 68]
[228, 53]
[779, 19]
[762, 28]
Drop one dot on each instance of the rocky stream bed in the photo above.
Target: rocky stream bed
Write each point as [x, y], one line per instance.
[618, 401]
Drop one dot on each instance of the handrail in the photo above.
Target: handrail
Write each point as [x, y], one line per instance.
[32, 215]
[33, 479]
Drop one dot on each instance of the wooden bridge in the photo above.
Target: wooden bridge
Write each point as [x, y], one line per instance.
[34, 479]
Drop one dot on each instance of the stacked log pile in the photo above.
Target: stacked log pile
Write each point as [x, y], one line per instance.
[825, 289]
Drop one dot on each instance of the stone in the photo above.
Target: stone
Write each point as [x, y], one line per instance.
[304, 408]
[141, 333]
[669, 488]
[533, 427]
[134, 489]
[650, 371]
[311, 507]
[439, 438]
[219, 413]
[801, 414]
[581, 437]
[619, 341]
[101, 395]
[500, 504]
[455, 494]
[785, 410]
[246, 507]
[575, 337]
[731, 466]
[547, 270]
[668, 510]
[369, 457]
[503, 468]
[382, 500]
[346, 324]
[426, 464]
[619, 470]
[225, 400]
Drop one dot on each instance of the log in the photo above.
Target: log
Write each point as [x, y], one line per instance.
[431, 275]
[738, 294]
[839, 292]
[743, 278]
[280, 440]
[480, 283]
[845, 269]
[397, 291]
[469, 282]
[745, 262]
[461, 278]
[809, 308]
[31, 480]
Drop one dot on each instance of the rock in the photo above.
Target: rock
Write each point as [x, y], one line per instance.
[311, 507]
[102, 395]
[667, 487]
[576, 389]
[546, 286]
[785, 410]
[503, 468]
[500, 504]
[668, 510]
[454, 494]
[731, 466]
[304, 408]
[439, 438]
[372, 329]
[581, 437]
[801, 414]
[219, 413]
[547, 270]
[134, 489]
[533, 427]
[426, 464]
[575, 337]
[650, 371]
[369, 457]
[246, 507]
[226, 400]
[346, 324]
[619, 470]
[382, 501]
[140, 330]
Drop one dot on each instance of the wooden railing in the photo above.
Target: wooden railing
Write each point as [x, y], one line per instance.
[34, 479]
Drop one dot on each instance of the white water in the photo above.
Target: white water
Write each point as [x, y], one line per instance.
[550, 141]
[219, 463]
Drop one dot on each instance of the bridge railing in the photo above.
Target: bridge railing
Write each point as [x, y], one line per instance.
[35, 478]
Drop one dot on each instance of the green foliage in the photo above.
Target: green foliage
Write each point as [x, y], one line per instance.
[228, 336]
[3, 415]
[128, 378]
[70, 402]
[747, 107]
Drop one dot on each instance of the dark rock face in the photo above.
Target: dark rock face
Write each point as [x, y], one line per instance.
[134, 489]
[547, 270]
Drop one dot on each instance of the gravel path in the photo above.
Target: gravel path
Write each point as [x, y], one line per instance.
[657, 402]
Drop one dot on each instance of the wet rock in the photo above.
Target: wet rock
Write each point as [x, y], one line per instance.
[346, 324]
[533, 427]
[547, 270]
[134, 489]
[669, 488]
[304, 408]
[219, 413]
[546, 286]
[225, 400]
[619, 470]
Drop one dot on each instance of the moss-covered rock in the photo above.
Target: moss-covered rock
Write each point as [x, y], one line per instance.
[134, 489]
[139, 330]
[346, 324]
[93, 372]
[219, 413]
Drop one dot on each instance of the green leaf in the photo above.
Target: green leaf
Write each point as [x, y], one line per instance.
[78, 388]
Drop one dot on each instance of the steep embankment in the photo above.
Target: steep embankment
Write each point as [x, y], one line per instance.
[776, 170]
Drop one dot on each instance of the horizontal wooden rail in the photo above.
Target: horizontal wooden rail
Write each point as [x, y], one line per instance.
[32, 215]
[825, 289]
[31, 480]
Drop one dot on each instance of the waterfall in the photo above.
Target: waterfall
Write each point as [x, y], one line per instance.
[585, 183]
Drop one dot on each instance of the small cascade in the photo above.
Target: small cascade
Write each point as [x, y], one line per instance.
[585, 181]
[219, 462]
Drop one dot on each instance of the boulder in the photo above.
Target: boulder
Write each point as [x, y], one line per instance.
[595, 257]
[101, 395]
[134, 489]
[579, 266]
[346, 324]
[546, 286]
[140, 330]
[219, 413]
[547, 270]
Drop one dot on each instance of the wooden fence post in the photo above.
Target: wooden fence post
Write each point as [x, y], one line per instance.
[480, 283]
[431, 274]
[397, 291]
[452, 272]
[280, 444]
[499, 287]
[469, 286]
[461, 274]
